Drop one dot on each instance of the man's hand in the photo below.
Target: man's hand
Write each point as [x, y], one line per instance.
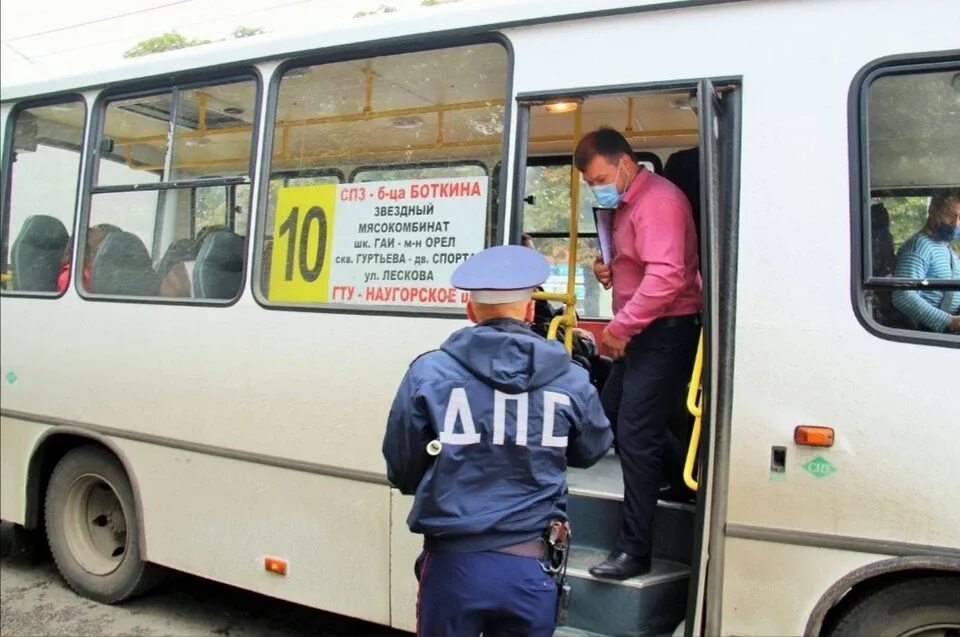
[603, 273]
[611, 345]
[954, 325]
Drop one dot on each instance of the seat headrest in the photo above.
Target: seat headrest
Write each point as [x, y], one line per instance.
[43, 231]
[879, 217]
[223, 250]
[122, 246]
[177, 252]
[122, 265]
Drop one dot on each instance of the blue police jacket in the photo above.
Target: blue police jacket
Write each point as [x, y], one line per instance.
[511, 412]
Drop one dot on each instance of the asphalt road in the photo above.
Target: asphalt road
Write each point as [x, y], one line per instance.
[35, 601]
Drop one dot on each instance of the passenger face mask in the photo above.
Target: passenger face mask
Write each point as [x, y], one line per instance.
[946, 232]
[607, 195]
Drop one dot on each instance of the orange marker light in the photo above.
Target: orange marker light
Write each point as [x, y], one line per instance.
[275, 565]
[811, 436]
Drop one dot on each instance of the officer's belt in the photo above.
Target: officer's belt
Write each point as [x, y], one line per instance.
[535, 548]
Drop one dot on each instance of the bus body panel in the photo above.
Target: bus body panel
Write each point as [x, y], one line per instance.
[18, 439]
[239, 378]
[246, 513]
[789, 580]
[876, 485]
[220, 518]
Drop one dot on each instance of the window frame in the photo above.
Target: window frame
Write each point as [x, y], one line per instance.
[861, 264]
[287, 175]
[153, 86]
[6, 180]
[361, 52]
[426, 164]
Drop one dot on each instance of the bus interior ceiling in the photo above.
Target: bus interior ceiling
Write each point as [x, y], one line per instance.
[655, 121]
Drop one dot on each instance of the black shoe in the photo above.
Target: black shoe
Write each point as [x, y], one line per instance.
[622, 566]
[676, 494]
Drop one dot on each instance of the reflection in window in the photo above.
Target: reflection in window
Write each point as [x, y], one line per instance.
[913, 135]
[37, 223]
[182, 237]
[421, 133]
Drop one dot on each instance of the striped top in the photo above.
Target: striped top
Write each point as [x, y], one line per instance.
[921, 257]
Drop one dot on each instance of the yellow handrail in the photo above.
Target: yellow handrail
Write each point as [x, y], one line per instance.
[695, 407]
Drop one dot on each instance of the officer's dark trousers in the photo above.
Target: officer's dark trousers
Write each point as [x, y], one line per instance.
[644, 393]
[466, 594]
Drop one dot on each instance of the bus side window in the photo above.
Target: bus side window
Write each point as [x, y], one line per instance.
[42, 178]
[911, 201]
[418, 200]
[169, 183]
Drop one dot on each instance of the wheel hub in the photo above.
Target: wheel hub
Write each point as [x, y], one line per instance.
[95, 525]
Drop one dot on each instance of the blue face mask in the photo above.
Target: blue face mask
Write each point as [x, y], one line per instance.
[946, 232]
[607, 195]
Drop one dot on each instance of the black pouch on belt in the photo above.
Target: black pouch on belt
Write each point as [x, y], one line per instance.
[563, 603]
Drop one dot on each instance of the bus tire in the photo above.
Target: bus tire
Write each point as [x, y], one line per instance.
[907, 608]
[92, 527]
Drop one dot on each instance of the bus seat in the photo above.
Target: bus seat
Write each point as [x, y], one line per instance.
[37, 254]
[683, 169]
[884, 258]
[122, 266]
[179, 251]
[219, 268]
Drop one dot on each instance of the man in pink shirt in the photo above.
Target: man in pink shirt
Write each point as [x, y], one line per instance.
[654, 272]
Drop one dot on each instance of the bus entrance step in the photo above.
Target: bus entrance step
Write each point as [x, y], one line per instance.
[566, 631]
[644, 606]
[595, 508]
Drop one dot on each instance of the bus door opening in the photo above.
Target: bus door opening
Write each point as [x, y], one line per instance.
[682, 135]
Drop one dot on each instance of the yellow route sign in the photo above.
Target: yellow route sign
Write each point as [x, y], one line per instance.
[302, 239]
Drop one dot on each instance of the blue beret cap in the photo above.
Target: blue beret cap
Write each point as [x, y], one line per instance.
[501, 268]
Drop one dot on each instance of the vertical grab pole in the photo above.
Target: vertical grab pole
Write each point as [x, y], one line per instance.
[570, 313]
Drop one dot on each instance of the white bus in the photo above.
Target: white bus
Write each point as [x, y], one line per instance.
[264, 237]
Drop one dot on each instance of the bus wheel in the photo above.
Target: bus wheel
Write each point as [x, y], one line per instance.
[927, 607]
[92, 527]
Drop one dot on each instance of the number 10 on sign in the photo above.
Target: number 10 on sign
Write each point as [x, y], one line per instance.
[302, 237]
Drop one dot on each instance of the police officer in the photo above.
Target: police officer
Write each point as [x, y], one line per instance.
[482, 431]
